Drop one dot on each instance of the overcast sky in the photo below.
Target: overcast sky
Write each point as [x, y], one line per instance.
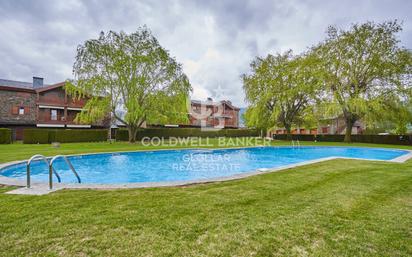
[215, 42]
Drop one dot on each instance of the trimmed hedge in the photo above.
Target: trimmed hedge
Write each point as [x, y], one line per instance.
[36, 136]
[47, 136]
[373, 139]
[123, 134]
[5, 136]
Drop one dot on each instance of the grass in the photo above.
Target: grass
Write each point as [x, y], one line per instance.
[335, 208]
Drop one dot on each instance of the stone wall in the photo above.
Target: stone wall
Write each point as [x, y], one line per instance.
[10, 101]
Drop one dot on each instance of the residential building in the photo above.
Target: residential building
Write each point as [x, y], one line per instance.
[222, 114]
[208, 114]
[25, 105]
[332, 126]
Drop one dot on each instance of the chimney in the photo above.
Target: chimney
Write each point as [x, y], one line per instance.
[37, 82]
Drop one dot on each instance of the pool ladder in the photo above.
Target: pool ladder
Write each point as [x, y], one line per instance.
[295, 144]
[51, 169]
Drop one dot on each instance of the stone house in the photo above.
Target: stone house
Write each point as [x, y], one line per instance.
[30, 105]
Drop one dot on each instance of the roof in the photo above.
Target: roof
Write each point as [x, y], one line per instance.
[229, 103]
[14, 85]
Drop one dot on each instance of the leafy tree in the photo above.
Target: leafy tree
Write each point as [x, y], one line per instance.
[365, 71]
[130, 73]
[395, 122]
[279, 90]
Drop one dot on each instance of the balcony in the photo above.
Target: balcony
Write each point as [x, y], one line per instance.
[51, 100]
[223, 115]
[60, 124]
[44, 123]
[60, 102]
[46, 118]
[76, 103]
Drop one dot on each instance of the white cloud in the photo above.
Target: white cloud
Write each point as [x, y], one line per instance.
[215, 41]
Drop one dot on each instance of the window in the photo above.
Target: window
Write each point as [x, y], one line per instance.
[53, 114]
[19, 110]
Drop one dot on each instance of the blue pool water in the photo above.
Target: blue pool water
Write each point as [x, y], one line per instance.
[183, 165]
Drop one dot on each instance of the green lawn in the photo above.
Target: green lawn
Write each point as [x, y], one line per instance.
[340, 208]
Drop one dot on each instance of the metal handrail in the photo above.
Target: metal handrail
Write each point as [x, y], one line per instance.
[68, 163]
[37, 157]
[295, 144]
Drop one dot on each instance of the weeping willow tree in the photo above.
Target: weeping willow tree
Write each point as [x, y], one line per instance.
[279, 89]
[366, 74]
[131, 74]
[396, 121]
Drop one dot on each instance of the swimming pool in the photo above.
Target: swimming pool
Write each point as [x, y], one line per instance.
[188, 165]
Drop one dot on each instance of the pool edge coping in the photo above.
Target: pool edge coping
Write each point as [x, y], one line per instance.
[41, 188]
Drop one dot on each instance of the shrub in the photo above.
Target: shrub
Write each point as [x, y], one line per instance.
[79, 135]
[5, 136]
[123, 134]
[35, 136]
[330, 138]
[46, 136]
[383, 139]
[374, 139]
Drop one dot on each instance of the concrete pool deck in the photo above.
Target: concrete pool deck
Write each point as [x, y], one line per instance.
[42, 188]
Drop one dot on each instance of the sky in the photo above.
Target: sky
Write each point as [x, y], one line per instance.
[214, 41]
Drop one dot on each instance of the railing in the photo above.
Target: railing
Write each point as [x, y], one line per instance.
[295, 144]
[51, 101]
[68, 163]
[50, 121]
[51, 169]
[76, 105]
[37, 157]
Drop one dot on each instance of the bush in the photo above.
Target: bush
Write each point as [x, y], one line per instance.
[123, 134]
[330, 138]
[373, 139]
[35, 136]
[47, 136]
[5, 136]
[77, 135]
[383, 139]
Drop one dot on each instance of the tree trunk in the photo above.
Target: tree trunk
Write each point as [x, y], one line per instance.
[135, 134]
[132, 134]
[348, 133]
[288, 132]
